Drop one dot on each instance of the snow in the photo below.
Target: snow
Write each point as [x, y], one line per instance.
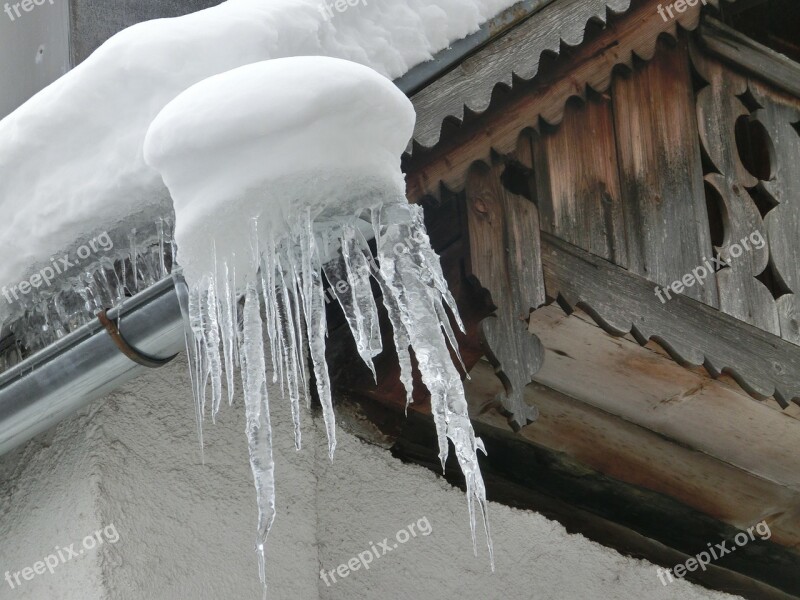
[71, 161]
[272, 166]
[286, 140]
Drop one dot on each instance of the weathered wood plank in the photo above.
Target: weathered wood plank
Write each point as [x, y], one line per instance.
[578, 182]
[517, 53]
[661, 175]
[693, 333]
[618, 376]
[505, 259]
[718, 111]
[528, 475]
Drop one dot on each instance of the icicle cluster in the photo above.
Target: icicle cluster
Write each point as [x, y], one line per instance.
[140, 258]
[289, 294]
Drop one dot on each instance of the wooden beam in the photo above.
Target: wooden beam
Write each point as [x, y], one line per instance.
[751, 57]
[631, 453]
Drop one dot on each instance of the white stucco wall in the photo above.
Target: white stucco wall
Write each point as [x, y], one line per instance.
[186, 529]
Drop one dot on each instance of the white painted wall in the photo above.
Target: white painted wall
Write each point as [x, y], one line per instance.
[34, 49]
[187, 530]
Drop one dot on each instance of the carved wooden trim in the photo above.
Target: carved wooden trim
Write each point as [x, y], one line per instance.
[470, 85]
[719, 109]
[692, 333]
[589, 65]
[728, 98]
[505, 259]
[781, 119]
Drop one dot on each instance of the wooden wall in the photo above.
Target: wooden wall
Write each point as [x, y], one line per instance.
[677, 163]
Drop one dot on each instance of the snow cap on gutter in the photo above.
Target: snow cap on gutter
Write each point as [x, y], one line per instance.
[271, 140]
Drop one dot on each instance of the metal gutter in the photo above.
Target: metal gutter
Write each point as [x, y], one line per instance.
[86, 364]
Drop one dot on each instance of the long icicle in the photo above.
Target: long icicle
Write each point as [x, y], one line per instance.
[413, 280]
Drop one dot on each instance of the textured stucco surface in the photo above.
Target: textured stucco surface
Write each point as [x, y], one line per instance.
[48, 498]
[186, 528]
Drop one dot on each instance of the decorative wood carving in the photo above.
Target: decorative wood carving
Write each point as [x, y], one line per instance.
[719, 109]
[589, 65]
[505, 259]
[691, 332]
[516, 54]
[749, 56]
[780, 116]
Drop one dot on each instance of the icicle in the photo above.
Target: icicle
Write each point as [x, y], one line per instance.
[412, 276]
[134, 260]
[288, 275]
[287, 332]
[211, 337]
[349, 276]
[161, 248]
[267, 271]
[402, 342]
[298, 305]
[259, 428]
[196, 356]
[227, 327]
[317, 326]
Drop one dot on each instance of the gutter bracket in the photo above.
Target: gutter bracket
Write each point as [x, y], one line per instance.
[140, 358]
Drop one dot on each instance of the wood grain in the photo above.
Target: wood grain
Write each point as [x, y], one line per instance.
[578, 182]
[505, 259]
[691, 332]
[719, 109]
[590, 65]
[598, 432]
[517, 53]
[661, 175]
[781, 118]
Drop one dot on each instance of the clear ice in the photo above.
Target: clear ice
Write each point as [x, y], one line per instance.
[288, 302]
